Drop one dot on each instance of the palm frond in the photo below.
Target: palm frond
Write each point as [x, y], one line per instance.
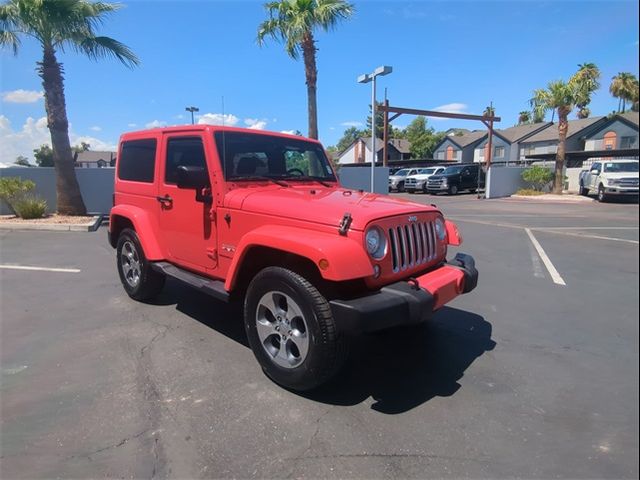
[10, 39]
[97, 48]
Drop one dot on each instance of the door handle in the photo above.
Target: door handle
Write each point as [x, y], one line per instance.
[166, 201]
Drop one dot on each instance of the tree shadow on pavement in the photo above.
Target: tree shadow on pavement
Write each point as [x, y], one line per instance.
[403, 368]
[400, 368]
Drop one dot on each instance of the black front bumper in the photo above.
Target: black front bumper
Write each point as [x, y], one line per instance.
[398, 304]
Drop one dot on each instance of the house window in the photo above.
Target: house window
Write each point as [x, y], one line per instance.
[137, 160]
[529, 149]
[440, 155]
[498, 152]
[627, 142]
[480, 152]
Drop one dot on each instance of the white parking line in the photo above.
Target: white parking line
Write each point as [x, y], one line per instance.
[583, 235]
[40, 269]
[555, 276]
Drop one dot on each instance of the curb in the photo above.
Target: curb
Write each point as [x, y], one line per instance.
[91, 226]
[567, 198]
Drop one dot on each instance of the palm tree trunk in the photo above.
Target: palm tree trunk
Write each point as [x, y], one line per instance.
[563, 127]
[311, 73]
[68, 193]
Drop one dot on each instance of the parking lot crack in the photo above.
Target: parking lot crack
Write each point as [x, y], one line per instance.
[121, 443]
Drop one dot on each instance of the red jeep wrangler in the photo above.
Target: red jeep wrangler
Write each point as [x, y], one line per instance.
[261, 217]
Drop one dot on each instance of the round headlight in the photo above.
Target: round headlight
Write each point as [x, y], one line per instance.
[376, 242]
[441, 230]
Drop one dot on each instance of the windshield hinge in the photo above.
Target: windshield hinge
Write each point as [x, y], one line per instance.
[345, 223]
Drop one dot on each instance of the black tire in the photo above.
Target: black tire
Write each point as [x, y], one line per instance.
[602, 197]
[584, 191]
[147, 283]
[326, 348]
[400, 187]
[453, 190]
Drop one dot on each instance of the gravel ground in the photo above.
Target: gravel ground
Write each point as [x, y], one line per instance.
[53, 219]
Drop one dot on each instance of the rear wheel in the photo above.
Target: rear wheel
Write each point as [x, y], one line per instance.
[291, 330]
[584, 191]
[139, 280]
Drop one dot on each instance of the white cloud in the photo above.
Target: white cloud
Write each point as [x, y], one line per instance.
[156, 124]
[96, 128]
[179, 116]
[255, 124]
[22, 96]
[34, 133]
[218, 119]
[351, 123]
[452, 108]
[131, 125]
[290, 132]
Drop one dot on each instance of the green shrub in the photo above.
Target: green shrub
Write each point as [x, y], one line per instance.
[538, 177]
[529, 192]
[13, 188]
[30, 206]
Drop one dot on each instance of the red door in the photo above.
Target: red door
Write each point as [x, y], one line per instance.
[188, 230]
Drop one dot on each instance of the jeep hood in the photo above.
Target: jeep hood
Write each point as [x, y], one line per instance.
[325, 205]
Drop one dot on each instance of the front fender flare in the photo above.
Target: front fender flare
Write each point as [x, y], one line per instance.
[346, 257]
[144, 227]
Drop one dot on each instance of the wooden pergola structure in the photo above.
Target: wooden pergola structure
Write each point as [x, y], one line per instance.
[397, 111]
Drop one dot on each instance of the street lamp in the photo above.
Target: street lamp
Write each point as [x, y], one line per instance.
[192, 109]
[366, 78]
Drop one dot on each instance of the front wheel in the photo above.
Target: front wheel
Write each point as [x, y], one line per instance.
[291, 330]
[453, 190]
[602, 197]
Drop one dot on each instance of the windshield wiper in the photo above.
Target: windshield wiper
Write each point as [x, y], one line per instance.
[261, 177]
[308, 178]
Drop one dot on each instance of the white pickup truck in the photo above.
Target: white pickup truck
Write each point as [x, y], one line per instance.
[609, 178]
[418, 182]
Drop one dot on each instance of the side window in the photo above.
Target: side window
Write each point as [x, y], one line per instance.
[137, 160]
[596, 166]
[187, 151]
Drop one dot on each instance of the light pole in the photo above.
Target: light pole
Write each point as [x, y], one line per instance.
[366, 78]
[192, 109]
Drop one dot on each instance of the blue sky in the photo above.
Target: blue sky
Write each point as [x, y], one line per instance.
[456, 55]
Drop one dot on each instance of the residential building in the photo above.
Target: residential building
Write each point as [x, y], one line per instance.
[459, 148]
[95, 159]
[546, 141]
[505, 143]
[360, 151]
[619, 132]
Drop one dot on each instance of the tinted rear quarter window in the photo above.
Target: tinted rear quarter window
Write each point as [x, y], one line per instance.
[137, 160]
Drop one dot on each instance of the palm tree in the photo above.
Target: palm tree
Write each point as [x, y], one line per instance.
[622, 87]
[588, 75]
[293, 22]
[584, 112]
[524, 117]
[57, 25]
[562, 97]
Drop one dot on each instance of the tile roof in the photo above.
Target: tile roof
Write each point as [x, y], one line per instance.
[94, 156]
[466, 139]
[514, 134]
[551, 133]
[630, 116]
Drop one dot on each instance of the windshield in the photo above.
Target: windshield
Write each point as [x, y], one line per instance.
[250, 156]
[402, 173]
[621, 167]
[452, 170]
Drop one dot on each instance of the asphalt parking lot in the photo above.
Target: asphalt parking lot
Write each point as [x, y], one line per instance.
[533, 375]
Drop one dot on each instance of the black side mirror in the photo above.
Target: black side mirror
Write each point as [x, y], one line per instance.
[192, 177]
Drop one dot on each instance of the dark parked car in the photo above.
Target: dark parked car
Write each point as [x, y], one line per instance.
[455, 179]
